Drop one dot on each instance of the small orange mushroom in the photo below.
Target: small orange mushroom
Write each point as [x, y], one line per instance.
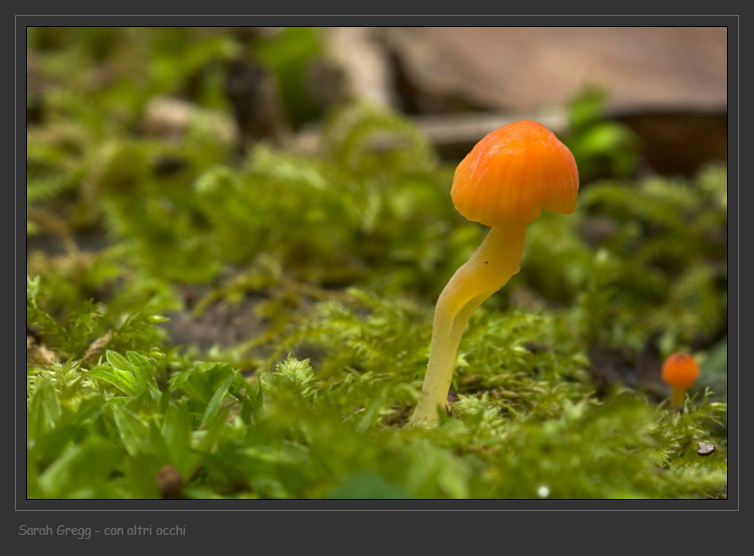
[504, 182]
[679, 371]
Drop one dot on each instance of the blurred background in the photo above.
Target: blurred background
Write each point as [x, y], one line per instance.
[230, 177]
[669, 85]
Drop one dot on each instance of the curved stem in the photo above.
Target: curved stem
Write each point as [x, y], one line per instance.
[488, 270]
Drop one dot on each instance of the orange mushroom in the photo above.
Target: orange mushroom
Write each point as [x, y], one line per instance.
[504, 182]
[679, 371]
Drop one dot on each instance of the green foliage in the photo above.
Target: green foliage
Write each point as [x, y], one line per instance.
[281, 205]
[290, 54]
[633, 263]
[336, 260]
[601, 148]
[670, 275]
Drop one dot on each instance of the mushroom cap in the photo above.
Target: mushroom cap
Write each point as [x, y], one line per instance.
[513, 173]
[680, 370]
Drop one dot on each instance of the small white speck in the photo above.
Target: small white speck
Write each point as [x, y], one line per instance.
[543, 491]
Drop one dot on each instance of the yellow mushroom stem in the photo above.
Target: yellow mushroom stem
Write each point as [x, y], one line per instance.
[677, 396]
[489, 269]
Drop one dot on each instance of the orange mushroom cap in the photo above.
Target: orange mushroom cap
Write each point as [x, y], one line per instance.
[513, 173]
[680, 371]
